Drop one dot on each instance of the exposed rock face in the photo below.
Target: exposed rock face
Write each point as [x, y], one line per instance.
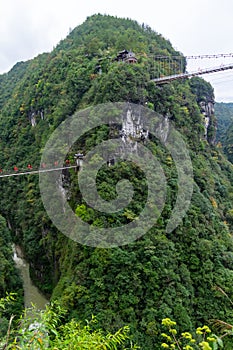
[163, 129]
[33, 115]
[204, 95]
[32, 118]
[207, 110]
[133, 130]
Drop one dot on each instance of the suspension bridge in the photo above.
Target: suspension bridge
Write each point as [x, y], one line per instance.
[169, 62]
[169, 78]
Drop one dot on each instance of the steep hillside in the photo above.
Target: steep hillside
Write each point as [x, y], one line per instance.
[224, 114]
[9, 279]
[162, 274]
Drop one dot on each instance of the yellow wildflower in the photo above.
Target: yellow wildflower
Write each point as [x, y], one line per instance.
[187, 335]
[205, 345]
[168, 322]
[173, 331]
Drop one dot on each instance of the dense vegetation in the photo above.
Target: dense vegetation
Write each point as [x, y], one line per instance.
[9, 277]
[224, 113]
[50, 329]
[162, 274]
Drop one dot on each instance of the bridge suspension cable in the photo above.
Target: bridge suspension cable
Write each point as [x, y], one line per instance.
[36, 172]
[195, 57]
[220, 55]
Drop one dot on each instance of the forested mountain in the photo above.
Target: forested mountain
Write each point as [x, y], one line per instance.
[177, 274]
[224, 114]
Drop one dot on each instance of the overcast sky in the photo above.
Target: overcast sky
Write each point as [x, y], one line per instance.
[30, 27]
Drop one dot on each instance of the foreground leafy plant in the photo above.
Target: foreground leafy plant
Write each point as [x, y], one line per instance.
[48, 330]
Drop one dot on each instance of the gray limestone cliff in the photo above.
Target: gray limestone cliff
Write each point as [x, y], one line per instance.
[209, 120]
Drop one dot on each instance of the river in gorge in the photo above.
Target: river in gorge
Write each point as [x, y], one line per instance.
[31, 293]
